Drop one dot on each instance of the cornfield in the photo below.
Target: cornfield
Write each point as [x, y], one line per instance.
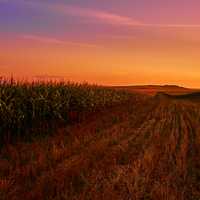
[24, 105]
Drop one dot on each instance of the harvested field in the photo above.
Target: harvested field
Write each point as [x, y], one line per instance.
[148, 149]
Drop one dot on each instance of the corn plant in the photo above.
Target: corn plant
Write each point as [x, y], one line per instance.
[25, 105]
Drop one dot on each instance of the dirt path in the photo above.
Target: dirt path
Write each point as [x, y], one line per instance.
[145, 150]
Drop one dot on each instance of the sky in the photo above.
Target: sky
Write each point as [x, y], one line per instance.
[109, 42]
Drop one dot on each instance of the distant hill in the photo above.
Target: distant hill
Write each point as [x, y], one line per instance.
[154, 89]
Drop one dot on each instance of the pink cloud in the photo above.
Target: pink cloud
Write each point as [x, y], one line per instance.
[111, 18]
[106, 17]
[98, 15]
[49, 40]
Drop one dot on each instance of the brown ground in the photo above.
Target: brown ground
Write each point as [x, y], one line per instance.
[147, 149]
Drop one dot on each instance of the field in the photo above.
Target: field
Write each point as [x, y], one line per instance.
[143, 146]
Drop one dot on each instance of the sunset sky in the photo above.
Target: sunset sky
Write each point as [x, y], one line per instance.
[110, 42]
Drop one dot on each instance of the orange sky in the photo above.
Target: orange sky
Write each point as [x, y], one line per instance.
[122, 52]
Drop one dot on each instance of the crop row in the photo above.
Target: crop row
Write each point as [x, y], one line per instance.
[25, 105]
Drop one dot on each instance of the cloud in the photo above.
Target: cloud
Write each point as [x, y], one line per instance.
[98, 15]
[113, 18]
[172, 25]
[55, 41]
[106, 17]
